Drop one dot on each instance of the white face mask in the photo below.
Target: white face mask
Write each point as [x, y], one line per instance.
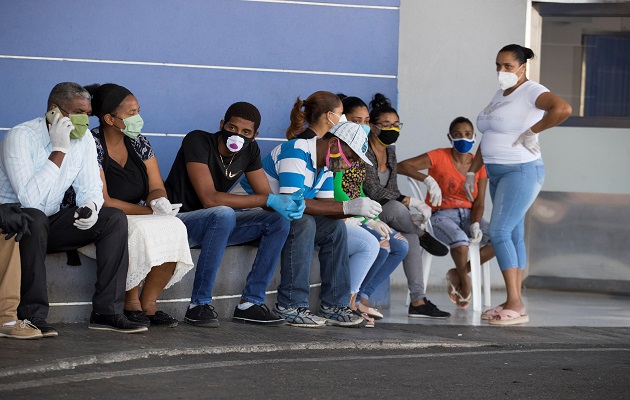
[508, 79]
[235, 143]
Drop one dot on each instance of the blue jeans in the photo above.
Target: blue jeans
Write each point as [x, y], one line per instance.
[513, 189]
[385, 263]
[331, 237]
[363, 249]
[452, 226]
[214, 228]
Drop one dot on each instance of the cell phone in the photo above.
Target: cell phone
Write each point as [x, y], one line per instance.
[84, 212]
[50, 115]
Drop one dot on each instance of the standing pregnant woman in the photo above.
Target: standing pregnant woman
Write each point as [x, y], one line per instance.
[510, 124]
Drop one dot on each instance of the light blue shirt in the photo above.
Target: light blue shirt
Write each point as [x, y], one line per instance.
[293, 166]
[28, 177]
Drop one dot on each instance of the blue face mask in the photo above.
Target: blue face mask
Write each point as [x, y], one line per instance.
[366, 128]
[462, 145]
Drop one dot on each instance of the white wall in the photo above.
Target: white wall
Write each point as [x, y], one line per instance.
[446, 69]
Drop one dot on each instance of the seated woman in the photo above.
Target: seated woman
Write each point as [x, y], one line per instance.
[456, 220]
[381, 185]
[159, 254]
[392, 245]
[315, 116]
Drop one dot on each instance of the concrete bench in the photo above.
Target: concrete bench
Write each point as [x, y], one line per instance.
[70, 288]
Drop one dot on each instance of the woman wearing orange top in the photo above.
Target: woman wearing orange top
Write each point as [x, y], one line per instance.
[456, 220]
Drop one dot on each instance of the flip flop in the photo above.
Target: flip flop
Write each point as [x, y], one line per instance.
[371, 311]
[453, 294]
[369, 321]
[463, 302]
[509, 317]
[491, 312]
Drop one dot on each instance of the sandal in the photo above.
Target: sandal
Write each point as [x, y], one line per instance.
[453, 294]
[463, 302]
[509, 317]
[491, 312]
[370, 311]
[369, 321]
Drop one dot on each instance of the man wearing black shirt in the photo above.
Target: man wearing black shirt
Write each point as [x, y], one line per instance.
[205, 168]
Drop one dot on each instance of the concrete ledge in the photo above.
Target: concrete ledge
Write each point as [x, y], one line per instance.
[70, 288]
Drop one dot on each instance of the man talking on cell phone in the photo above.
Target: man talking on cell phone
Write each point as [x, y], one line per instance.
[40, 159]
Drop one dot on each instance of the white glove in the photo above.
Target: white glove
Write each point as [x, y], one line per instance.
[419, 221]
[529, 140]
[435, 193]
[60, 133]
[362, 206]
[161, 206]
[469, 185]
[380, 227]
[86, 223]
[475, 233]
[353, 221]
[421, 206]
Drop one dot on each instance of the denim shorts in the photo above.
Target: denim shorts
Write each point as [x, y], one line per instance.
[452, 227]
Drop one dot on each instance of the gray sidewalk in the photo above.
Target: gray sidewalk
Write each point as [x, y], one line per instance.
[84, 362]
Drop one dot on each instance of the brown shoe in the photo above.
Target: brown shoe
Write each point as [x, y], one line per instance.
[22, 329]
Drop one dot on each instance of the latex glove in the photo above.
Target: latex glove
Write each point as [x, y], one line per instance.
[380, 227]
[175, 208]
[469, 185]
[435, 193]
[300, 205]
[475, 233]
[529, 140]
[362, 206]
[419, 221]
[163, 206]
[421, 206]
[60, 133]
[13, 222]
[86, 223]
[353, 221]
[284, 205]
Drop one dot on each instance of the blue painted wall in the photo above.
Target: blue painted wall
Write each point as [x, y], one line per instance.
[324, 47]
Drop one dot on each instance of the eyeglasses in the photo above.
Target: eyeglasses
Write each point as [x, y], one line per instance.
[387, 125]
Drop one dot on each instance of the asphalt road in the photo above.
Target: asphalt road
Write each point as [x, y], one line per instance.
[390, 361]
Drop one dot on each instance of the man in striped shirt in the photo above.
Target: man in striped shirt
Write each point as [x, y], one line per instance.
[40, 160]
[309, 165]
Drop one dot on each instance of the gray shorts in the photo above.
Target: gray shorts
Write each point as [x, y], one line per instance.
[452, 227]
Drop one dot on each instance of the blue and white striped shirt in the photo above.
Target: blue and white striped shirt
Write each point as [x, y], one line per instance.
[293, 166]
[28, 177]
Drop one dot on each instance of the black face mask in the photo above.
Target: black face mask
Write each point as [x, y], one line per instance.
[226, 135]
[388, 136]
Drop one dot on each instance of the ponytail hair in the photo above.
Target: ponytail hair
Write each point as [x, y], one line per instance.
[522, 54]
[298, 119]
[380, 105]
[315, 106]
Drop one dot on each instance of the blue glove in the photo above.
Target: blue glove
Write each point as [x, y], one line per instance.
[284, 205]
[300, 204]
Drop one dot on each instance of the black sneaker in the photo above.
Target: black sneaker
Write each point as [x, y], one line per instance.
[137, 317]
[115, 323]
[160, 318]
[257, 314]
[427, 310]
[203, 315]
[432, 245]
[46, 329]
